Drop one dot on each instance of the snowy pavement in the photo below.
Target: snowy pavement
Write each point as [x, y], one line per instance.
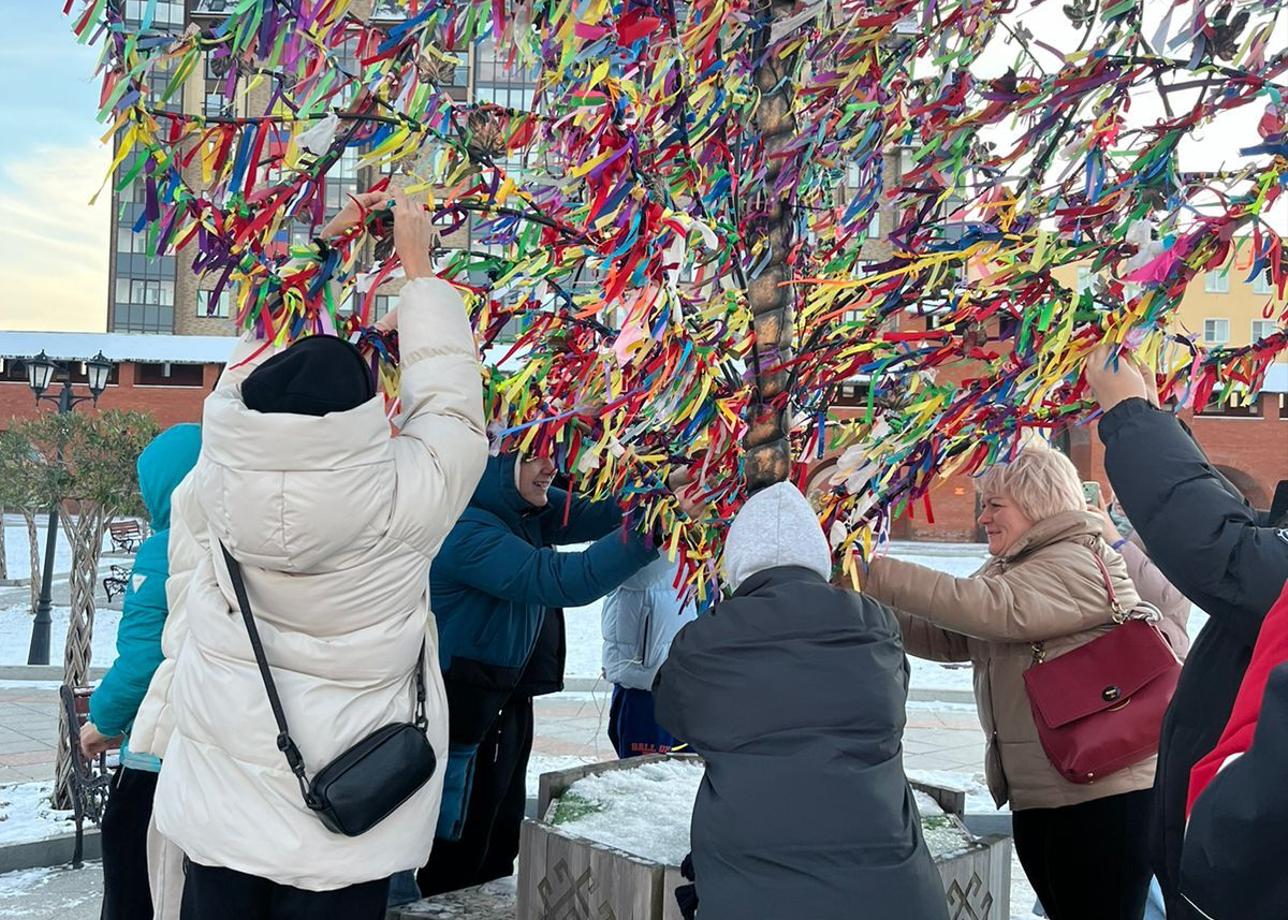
[58, 893]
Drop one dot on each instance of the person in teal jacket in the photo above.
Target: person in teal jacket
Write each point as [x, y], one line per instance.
[112, 708]
[498, 588]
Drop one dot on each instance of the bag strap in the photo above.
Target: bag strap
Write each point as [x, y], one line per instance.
[285, 743]
[1121, 614]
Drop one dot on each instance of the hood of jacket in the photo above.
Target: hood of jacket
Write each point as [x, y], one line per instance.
[498, 492]
[295, 493]
[162, 465]
[776, 527]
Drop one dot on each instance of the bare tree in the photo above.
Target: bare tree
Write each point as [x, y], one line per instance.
[21, 490]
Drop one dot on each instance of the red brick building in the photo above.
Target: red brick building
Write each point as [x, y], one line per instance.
[167, 376]
[1249, 445]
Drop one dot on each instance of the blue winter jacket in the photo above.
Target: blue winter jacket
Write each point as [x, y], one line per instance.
[114, 704]
[490, 586]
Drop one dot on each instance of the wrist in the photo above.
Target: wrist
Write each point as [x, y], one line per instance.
[1118, 544]
[418, 268]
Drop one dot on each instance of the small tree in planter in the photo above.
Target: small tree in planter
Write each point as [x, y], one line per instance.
[22, 486]
[89, 465]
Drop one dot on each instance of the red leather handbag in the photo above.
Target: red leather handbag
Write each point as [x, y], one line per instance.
[1099, 708]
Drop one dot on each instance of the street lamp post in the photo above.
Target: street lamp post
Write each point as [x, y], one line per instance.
[40, 374]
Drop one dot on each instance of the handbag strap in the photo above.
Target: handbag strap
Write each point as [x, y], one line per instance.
[1121, 615]
[285, 743]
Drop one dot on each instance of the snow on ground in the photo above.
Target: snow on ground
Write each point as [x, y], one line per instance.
[15, 635]
[17, 554]
[55, 893]
[644, 810]
[26, 814]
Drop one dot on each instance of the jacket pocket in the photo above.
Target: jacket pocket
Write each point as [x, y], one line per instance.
[458, 782]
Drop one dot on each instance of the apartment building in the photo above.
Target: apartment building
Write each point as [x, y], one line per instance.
[161, 294]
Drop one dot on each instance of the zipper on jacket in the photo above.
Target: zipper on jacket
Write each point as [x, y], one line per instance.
[496, 743]
[644, 640]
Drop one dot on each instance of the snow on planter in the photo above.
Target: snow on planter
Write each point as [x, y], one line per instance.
[610, 836]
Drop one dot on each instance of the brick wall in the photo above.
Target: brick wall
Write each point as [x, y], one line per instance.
[1252, 452]
[169, 405]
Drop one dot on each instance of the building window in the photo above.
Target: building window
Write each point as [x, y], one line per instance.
[1263, 328]
[1217, 282]
[167, 12]
[169, 375]
[383, 304]
[215, 104]
[341, 181]
[1086, 279]
[208, 307]
[852, 394]
[1216, 332]
[1261, 283]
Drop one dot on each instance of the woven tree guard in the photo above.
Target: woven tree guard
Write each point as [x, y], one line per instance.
[88, 466]
[769, 240]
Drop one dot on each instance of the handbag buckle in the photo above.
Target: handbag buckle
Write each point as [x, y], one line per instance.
[1111, 694]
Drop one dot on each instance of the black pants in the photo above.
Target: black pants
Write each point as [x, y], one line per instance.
[127, 893]
[490, 839]
[1089, 861]
[212, 893]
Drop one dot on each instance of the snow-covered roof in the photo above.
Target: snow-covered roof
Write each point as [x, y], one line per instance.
[1276, 378]
[116, 346]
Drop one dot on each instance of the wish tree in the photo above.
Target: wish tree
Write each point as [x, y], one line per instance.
[680, 224]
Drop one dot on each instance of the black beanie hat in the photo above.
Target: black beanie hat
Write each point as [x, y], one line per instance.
[316, 375]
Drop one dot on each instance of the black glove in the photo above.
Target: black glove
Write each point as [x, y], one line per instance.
[687, 895]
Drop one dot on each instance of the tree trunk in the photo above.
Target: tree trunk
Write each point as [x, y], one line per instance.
[4, 561]
[86, 535]
[33, 557]
[769, 229]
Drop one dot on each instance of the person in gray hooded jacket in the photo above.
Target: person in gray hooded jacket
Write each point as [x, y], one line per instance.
[793, 691]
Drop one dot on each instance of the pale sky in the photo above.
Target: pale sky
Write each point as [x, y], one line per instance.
[54, 245]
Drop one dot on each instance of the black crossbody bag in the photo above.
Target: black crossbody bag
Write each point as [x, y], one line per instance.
[367, 783]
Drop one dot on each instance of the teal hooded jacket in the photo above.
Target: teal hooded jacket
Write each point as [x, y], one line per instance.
[112, 708]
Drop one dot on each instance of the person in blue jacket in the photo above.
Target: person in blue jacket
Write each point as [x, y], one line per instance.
[497, 588]
[112, 707]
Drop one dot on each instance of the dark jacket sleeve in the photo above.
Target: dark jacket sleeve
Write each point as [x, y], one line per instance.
[1232, 862]
[587, 520]
[115, 702]
[495, 561]
[675, 683]
[1205, 540]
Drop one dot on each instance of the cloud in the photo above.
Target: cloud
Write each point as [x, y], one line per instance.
[53, 243]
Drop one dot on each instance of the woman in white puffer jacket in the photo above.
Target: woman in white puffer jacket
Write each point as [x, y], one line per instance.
[334, 524]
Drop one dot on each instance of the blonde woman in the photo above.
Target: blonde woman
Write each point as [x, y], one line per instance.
[1083, 847]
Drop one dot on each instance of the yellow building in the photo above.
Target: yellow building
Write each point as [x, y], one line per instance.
[1220, 307]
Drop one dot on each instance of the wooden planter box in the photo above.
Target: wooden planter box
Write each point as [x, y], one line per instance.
[565, 877]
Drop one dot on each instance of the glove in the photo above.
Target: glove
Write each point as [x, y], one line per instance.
[687, 895]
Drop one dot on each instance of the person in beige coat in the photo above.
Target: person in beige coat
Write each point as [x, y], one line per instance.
[1082, 846]
[335, 524]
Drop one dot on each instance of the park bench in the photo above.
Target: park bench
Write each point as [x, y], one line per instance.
[115, 582]
[91, 780]
[126, 535]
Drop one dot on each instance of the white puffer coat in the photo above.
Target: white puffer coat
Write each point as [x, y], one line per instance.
[335, 524]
